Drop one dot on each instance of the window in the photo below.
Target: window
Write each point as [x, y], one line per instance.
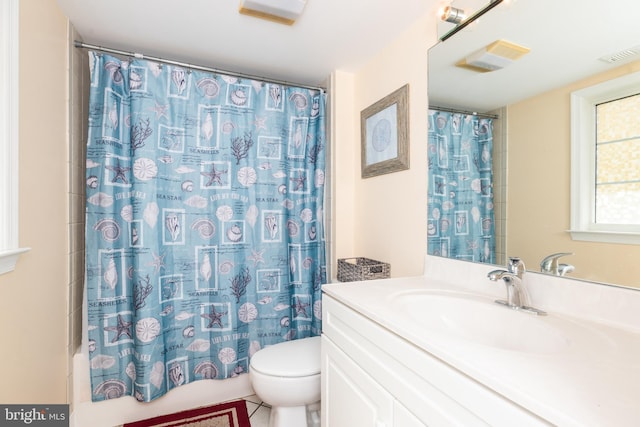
[605, 157]
[9, 250]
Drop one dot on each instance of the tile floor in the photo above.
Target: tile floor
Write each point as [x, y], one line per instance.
[258, 411]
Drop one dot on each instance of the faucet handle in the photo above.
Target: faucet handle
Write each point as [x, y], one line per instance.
[516, 266]
[550, 263]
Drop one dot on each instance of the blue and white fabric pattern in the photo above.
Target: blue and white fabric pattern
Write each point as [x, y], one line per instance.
[204, 223]
[460, 196]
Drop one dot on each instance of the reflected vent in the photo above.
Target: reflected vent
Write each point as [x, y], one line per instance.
[630, 53]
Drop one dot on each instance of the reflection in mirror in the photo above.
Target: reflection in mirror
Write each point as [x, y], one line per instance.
[569, 47]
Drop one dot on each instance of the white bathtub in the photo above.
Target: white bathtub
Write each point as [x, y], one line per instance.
[115, 412]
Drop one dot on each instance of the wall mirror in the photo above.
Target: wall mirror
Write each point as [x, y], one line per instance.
[571, 46]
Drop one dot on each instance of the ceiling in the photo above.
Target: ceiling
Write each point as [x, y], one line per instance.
[566, 39]
[330, 34]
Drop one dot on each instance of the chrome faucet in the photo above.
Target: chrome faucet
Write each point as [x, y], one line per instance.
[551, 265]
[517, 297]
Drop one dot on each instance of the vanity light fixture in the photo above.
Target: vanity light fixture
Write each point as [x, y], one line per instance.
[470, 19]
[453, 15]
[495, 56]
[281, 11]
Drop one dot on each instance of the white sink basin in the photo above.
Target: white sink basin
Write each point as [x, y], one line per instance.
[479, 320]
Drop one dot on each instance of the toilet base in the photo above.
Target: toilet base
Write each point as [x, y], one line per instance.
[295, 416]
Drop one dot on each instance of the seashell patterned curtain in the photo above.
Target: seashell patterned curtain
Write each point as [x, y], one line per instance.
[460, 196]
[204, 223]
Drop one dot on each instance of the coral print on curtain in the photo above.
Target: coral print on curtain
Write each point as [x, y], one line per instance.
[204, 236]
[460, 199]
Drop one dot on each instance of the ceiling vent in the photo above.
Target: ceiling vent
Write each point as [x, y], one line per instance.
[281, 11]
[621, 56]
[495, 56]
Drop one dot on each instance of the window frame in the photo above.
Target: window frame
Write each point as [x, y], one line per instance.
[583, 161]
[9, 250]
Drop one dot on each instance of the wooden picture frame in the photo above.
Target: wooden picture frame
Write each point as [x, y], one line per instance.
[384, 129]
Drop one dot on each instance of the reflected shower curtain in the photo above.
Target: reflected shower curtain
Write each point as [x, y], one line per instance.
[204, 223]
[460, 196]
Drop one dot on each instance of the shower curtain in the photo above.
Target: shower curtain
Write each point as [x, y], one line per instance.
[460, 197]
[204, 223]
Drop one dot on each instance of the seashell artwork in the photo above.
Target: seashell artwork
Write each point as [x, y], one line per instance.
[176, 374]
[306, 215]
[315, 107]
[205, 268]
[102, 361]
[157, 374]
[92, 164]
[205, 227]
[226, 267]
[317, 309]
[224, 213]
[187, 186]
[135, 80]
[254, 347]
[227, 355]
[285, 321]
[172, 222]
[101, 199]
[247, 176]
[307, 263]
[145, 169]
[289, 335]
[92, 182]
[167, 310]
[293, 227]
[166, 159]
[279, 174]
[147, 329]
[196, 202]
[282, 189]
[189, 331]
[109, 229]
[91, 346]
[130, 370]
[229, 79]
[435, 213]
[312, 233]
[265, 300]
[227, 127]
[110, 275]
[234, 233]
[476, 185]
[292, 265]
[319, 178]
[150, 214]
[111, 389]
[257, 85]
[271, 224]
[199, 345]
[206, 369]
[179, 78]
[280, 306]
[288, 203]
[247, 312]
[275, 93]
[239, 97]
[265, 166]
[299, 100]
[475, 214]
[183, 315]
[127, 213]
[252, 215]
[210, 87]
[207, 127]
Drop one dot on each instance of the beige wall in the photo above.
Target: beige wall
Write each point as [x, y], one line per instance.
[384, 217]
[33, 298]
[540, 189]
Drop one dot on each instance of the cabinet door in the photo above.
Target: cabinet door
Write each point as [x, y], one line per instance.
[350, 397]
[403, 418]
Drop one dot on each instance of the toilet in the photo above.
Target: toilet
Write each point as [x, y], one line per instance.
[286, 376]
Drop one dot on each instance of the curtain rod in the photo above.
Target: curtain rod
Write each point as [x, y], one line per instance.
[472, 113]
[82, 45]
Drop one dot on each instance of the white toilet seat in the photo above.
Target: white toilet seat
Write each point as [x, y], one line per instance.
[291, 359]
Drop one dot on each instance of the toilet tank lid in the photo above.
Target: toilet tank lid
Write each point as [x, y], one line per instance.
[297, 358]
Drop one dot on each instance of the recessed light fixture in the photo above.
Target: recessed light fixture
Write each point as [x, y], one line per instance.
[281, 11]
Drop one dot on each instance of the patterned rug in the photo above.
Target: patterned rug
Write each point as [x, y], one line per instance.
[229, 414]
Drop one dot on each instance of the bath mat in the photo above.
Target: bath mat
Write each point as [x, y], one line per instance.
[229, 414]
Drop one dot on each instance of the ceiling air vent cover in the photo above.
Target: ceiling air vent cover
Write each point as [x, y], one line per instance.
[621, 56]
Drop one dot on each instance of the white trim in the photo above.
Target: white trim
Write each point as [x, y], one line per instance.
[9, 16]
[583, 162]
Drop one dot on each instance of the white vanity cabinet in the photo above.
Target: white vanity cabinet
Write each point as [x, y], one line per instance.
[371, 377]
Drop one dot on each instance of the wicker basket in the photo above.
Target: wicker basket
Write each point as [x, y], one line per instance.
[354, 269]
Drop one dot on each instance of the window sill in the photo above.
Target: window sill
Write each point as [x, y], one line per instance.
[625, 238]
[8, 259]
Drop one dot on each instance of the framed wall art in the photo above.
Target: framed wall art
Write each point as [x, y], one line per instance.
[384, 128]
